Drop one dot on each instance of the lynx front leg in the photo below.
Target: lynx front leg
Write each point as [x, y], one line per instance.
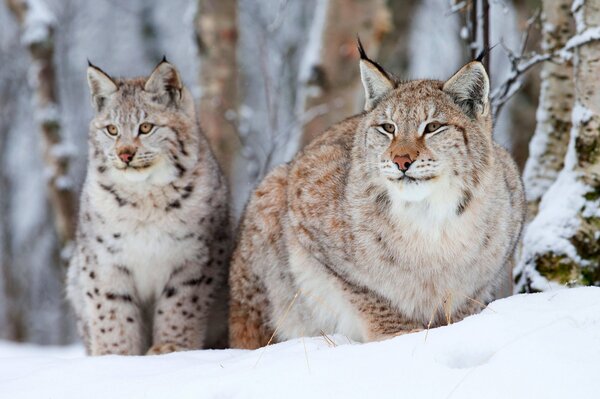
[380, 319]
[182, 310]
[114, 324]
[385, 324]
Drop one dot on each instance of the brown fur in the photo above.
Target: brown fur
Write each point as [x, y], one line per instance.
[341, 241]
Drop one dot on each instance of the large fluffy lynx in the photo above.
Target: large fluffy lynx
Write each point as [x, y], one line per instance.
[153, 235]
[399, 217]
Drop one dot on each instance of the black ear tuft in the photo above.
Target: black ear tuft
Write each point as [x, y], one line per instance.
[164, 59]
[89, 63]
[165, 83]
[364, 57]
[102, 86]
[361, 49]
[376, 81]
[482, 55]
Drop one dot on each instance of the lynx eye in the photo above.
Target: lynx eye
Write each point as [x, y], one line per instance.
[146, 128]
[389, 127]
[112, 130]
[432, 127]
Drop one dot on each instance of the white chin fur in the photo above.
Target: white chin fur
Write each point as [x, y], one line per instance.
[411, 191]
[135, 175]
[436, 201]
[159, 173]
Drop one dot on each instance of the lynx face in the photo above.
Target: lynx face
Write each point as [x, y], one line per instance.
[139, 124]
[426, 137]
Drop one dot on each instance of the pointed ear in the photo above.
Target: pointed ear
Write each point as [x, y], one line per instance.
[165, 83]
[376, 81]
[470, 89]
[101, 86]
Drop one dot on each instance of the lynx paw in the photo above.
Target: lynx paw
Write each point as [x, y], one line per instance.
[168, 347]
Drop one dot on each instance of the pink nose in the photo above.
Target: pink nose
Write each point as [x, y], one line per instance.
[403, 162]
[126, 156]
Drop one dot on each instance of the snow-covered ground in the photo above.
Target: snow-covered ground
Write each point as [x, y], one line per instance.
[527, 346]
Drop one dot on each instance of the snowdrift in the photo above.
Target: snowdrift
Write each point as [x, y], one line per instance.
[527, 346]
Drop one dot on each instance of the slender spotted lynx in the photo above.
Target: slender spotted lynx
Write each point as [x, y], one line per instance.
[152, 242]
[405, 214]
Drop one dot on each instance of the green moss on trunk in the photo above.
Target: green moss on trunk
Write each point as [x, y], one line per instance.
[564, 270]
[558, 268]
[587, 245]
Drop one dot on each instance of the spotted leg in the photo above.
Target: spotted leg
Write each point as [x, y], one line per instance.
[182, 310]
[114, 322]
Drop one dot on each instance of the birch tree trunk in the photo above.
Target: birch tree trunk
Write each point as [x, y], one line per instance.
[548, 145]
[12, 324]
[333, 83]
[216, 34]
[37, 24]
[561, 245]
[394, 52]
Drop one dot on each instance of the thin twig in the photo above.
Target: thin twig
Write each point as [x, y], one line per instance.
[521, 63]
[279, 323]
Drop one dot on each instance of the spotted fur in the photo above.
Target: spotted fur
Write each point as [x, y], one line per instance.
[343, 240]
[153, 238]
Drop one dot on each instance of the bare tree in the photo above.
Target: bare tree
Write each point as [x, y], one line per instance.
[479, 30]
[216, 36]
[332, 83]
[12, 323]
[561, 244]
[548, 145]
[37, 24]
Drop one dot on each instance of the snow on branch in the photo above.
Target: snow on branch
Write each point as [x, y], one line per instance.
[39, 23]
[522, 62]
[588, 35]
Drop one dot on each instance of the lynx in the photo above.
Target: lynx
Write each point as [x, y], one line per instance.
[402, 217]
[153, 237]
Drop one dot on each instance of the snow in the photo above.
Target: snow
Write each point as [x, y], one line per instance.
[538, 181]
[577, 11]
[63, 150]
[64, 183]
[39, 22]
[586, 36]
[535, 345]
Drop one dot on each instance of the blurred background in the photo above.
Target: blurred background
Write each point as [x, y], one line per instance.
[268, 77]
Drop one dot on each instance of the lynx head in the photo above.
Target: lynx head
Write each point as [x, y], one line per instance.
[144, 129]
[426, 137]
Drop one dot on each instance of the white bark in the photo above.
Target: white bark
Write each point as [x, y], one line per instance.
[561, 245]
[38, 26]
[548, 145]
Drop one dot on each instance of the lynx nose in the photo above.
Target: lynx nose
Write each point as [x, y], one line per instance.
[126, 155]
[403, 162]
